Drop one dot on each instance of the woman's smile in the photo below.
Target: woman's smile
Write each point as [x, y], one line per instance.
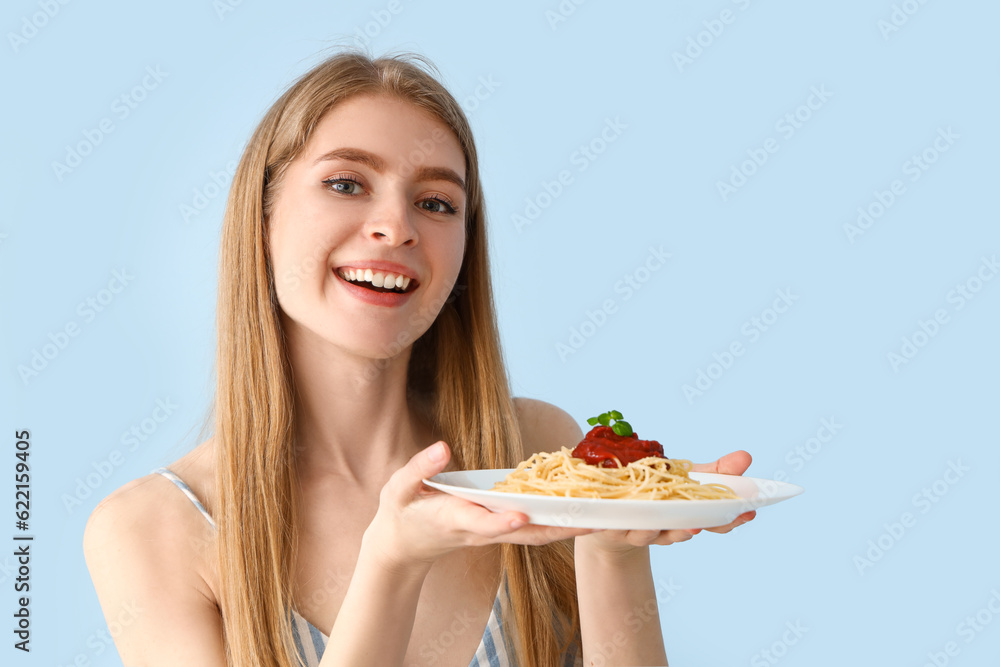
[377, 282]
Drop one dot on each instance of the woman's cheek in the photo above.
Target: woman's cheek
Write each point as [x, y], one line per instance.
[456, 253]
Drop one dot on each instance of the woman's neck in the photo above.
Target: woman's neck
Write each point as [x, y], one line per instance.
[353, 419]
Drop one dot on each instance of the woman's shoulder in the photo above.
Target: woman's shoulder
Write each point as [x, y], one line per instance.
[155, 495]
[545, 427]
[150, 523]
[149, 553]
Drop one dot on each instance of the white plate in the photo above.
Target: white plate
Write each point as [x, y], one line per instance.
[475, 485]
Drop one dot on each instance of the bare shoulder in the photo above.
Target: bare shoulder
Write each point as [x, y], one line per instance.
[545, 427]
[145, 511]
[152, 510]
[146, 551]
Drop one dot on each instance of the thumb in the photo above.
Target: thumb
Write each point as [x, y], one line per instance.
[733, 463]
[408, 480]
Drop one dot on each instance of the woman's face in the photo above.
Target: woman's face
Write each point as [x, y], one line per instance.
[367, 232]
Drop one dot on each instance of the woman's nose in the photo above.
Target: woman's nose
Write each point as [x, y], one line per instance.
[390, 223]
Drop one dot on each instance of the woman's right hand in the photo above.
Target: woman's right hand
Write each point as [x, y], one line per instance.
[415, 524]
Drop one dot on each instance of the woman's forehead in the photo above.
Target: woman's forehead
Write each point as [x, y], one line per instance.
[398, 131]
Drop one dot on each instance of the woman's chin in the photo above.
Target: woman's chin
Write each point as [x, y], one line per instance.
[379, 351]
[357, 339]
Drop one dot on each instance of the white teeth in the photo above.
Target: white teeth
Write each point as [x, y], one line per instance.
[377, 278]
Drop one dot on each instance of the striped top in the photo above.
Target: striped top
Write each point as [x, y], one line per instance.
[310, 641]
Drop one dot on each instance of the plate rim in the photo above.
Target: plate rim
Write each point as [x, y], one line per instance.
[792, 490]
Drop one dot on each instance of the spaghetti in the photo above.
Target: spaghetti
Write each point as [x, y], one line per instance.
[652, 478]
[610, 462]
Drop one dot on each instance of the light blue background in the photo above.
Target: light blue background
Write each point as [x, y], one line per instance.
[554, 88]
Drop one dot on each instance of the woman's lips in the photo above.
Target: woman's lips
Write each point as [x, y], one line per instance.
[375, 298]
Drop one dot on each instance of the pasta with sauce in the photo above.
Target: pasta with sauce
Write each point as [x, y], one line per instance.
[606, 465]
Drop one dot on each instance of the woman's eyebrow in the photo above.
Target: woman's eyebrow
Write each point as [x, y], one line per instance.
[439, 174]
[378, 164]
[353, 155]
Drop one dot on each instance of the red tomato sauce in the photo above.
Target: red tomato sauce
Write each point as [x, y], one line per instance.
[602, 445]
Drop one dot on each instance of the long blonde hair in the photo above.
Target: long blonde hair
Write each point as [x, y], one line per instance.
[457, 366]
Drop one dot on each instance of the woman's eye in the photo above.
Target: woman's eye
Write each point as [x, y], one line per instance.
[344, 186]
[435, 205]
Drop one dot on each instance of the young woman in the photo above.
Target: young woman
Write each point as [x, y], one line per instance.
[358, 354]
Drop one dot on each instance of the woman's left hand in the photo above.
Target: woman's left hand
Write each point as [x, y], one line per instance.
[625, 541]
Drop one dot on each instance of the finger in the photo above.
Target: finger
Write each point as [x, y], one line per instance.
[468, 517]
[739, 521]
[642, 538]
[734, 463]
[406, 482]
[535, 535]
[485, 527]
[672, 537]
